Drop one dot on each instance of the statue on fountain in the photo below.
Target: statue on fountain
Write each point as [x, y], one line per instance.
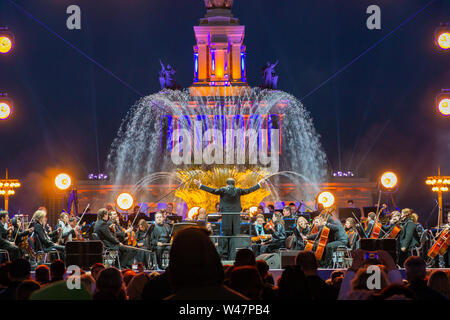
[220, 4]
[167, 77]
[270, 79]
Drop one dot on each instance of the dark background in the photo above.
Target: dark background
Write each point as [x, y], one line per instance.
[378, 114]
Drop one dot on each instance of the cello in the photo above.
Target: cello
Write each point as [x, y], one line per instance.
[440, 246]
[323, 237]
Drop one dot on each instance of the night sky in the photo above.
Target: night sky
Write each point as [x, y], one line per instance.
[377, 114]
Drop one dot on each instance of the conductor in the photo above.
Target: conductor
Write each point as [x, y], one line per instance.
[230, 206]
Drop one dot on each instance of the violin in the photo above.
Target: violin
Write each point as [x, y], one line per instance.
[261, 238]
[269, 226]
[131, 238]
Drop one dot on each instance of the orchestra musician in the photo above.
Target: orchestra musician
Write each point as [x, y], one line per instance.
[258, 231]
[160, 238]
[105, 231]
[5, 230]
[45, 238]
[68, 232]
[408, 238]
[142, 241]
[447, 255]
[119, 232]
[278, 235]
[352, 233]
[371, 216]
[337, 237]
[301, 229]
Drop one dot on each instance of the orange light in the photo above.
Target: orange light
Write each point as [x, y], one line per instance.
[326, 199]
[389, 180]
[443, 40]
[5, 110]
[125, 201]
[63, 181]
[193, 212]
[444, 106]
[6, 44]
[253, 210]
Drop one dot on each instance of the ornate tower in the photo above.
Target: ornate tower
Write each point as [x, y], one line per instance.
[219, 55]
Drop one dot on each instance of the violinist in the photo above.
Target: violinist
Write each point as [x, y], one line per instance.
[19, 233]
[41, 234]
[5, 229]
[258, 232]
[408, 238]
[301, 229]
[278, 234]
[68, 232]
[116, 225]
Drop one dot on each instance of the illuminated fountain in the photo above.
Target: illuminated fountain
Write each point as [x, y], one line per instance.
[219, 127]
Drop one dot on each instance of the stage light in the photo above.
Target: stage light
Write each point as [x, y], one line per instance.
[442, 36]
[6, 43]
[389, 180]
[253, 210]
[125, 201]
[326, 199]
[193, 212]
[5, 110]
[444, 106]
[63, 181]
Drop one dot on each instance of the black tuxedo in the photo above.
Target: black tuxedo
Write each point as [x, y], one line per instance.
[101, 228]
[160, 233]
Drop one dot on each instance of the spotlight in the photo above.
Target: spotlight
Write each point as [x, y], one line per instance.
[443, 102]
[193, 212]
[6, 107]
[388, 181]
[326, 199]
[63, 181]
[442, 36]
[125, 201]
[6, 41]
[253, 210]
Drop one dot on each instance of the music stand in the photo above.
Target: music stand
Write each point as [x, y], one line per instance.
[182, 225]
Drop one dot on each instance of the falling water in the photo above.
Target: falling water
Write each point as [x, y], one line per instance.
[138, 155]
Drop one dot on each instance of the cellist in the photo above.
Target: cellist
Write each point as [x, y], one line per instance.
[337, 237]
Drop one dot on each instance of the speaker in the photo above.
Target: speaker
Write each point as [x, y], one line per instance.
[288, 257]
[84, 253]
[272, 259]
[389, 245]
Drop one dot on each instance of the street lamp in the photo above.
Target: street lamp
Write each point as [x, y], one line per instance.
[7, 188]
[439, 184]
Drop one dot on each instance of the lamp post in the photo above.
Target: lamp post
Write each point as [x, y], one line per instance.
[7, 187]
[439, 184]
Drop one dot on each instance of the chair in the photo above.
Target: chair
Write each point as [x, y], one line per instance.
[4, 253]
[110, 256]
[341, 257]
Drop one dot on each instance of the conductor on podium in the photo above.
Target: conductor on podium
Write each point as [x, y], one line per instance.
[230, 207]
